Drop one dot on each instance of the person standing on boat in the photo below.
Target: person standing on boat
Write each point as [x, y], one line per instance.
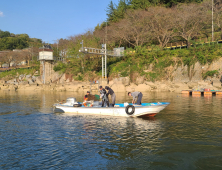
[103, 96]
[136, 95]
[112, 94]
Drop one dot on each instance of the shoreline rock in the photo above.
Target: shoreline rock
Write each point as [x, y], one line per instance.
[182, 79]
[85, 86]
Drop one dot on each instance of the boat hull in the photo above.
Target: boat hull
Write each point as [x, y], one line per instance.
[140, 111]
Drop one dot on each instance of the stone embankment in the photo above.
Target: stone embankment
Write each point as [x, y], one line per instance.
[180, 78]
[121, 84]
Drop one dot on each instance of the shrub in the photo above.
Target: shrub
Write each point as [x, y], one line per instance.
[152, 76]
[60, 67]
[201, 58]
[79, 77]
[124, 74]
[210, 73]
[12, 73]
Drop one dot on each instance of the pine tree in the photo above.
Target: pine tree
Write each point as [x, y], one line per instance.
[111, 11]
[116, 12]
[121, 9]
[140, 4]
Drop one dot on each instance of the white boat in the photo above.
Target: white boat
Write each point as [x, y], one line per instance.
[120, 109]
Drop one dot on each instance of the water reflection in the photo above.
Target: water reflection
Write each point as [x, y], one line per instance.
[129, 137]
[185, 135]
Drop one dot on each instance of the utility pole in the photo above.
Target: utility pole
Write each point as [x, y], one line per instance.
[105, 53]
[118, 52]
[212, 20]
[58, 50]
[57, 45]
[105, 62]
[32, 54]
[82, 44]
[82, 50]
[102, 68]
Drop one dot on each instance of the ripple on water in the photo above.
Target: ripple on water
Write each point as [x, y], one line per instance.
[188, 133]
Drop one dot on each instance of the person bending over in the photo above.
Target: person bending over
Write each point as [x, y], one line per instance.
[112, 94]
[136, 95]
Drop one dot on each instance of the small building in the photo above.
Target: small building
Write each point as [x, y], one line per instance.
[46, 53]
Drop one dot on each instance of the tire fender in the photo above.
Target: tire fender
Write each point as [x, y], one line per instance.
[77, 105]
[132, 111]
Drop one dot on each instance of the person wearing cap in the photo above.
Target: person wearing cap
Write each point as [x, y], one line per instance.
[87, 94]
[112, 94]
[136, 95]
[103, 95]
[90, 96]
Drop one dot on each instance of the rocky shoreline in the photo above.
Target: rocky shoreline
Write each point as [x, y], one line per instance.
[180, 78]
[122, 84]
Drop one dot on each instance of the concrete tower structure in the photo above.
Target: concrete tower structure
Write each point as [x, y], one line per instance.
[46, 63]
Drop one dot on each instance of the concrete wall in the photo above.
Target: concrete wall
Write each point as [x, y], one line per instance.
[194, 73]
[46, 71]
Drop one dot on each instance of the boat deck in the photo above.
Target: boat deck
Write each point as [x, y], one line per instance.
[143, 104]
[121, 105]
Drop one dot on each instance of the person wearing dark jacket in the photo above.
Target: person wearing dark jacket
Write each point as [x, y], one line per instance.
[112, 94]
[103, 96]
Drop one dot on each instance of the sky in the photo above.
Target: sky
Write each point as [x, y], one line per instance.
[50, 20]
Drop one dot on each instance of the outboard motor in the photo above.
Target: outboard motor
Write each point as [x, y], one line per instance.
[72, 102]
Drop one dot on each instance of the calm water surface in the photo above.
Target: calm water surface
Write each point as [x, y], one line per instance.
[186, 135]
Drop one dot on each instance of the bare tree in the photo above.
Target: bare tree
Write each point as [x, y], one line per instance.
[9, 58]
[33, 51]
[115, 35]
[189, 20]
[163, 24]
[27, 55]
[218, 15]
[2, 58]
[135, 28]
[61, 47]
[17, 57]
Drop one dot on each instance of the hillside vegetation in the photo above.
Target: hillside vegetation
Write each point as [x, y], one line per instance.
[17, 48]
[145, 28]
[137, 61]
[10, 41]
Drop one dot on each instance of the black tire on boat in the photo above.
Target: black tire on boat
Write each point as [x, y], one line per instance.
[77, 105]
[127, 109]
